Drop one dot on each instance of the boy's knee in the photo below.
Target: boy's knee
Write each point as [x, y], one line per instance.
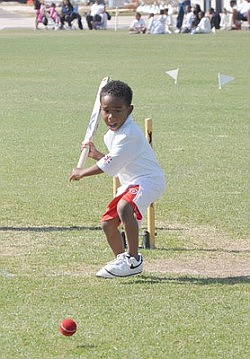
[124, 208]
[108, 225]
[105, 225]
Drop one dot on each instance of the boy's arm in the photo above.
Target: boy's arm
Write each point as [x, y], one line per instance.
[78, 173]
[93, 152]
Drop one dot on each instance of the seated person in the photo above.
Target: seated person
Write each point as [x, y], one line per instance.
[138, 25]
[225, 22]
[215, 18]
[53, 14]
[68, 14]
[96, 10]
[196, 11]
[100, 21]
[204, 26]
[188, 20]
[241, 12]
[169, 22]
[155, 26]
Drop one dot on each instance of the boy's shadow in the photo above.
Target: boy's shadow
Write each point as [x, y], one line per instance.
[149, 279]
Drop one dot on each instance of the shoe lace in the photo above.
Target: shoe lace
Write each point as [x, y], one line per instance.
[120, 258]
[123, 257]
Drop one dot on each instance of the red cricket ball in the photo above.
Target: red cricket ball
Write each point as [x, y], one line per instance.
[68, 327]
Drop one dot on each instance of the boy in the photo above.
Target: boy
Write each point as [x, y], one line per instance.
[132, 160]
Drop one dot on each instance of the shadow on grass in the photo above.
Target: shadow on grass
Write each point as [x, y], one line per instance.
[86, 346]
[144, 279]
[62, 228]
[98, 228]
[183, 249]
[49, 229]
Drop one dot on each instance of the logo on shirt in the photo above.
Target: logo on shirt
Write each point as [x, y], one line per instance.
[107, 159]
[133, 190]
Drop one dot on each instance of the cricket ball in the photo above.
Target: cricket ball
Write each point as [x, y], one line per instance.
[68, 327]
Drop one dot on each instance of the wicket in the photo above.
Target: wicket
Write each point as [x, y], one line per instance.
[151, 208]
[149, 234]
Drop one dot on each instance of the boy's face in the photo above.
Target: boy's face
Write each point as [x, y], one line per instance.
[114, 111]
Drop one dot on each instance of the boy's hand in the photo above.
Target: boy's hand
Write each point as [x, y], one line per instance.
[93, 152]
[76, 174]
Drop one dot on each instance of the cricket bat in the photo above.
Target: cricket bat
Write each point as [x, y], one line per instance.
[93, 124]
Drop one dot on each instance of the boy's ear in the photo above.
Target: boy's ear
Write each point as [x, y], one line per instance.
[131, 109]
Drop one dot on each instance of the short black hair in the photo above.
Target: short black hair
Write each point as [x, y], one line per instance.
[119, 89]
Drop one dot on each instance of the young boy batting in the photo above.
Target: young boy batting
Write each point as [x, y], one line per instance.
[132, 160]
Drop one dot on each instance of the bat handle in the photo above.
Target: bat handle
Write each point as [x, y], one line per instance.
[83, 157]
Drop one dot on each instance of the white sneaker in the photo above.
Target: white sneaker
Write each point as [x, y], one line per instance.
[123, 266]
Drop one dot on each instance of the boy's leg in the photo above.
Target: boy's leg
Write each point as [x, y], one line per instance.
[126, 214]
[113, 235]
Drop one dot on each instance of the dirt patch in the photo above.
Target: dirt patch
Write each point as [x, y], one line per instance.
[197, 251]
[204, 251]
[216, 268]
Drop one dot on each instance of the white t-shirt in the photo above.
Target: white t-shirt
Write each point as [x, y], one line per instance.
[204, 26]
[96, 9]
[188, 21]
[244, 7]
[133, 161]
[158, 28]
[151, 22]
[138, 24]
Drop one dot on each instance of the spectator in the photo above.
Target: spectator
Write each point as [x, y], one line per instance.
[215, 18]
[169, 22]
[182, 4]
[196, 11]
[96, 10]
[225, 23]
[100, 21]
[151, 23]
[163, 18]
[155, 27]
[138, 25]
[40, 11]
[241, 13]
[204, 26]
[53, 14]
[68, 15]
[188, 20]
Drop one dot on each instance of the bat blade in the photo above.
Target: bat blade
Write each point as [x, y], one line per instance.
[93, 124]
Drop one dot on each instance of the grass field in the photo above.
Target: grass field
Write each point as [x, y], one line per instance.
[192, 300]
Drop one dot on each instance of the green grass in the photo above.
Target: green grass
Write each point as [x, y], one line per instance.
[51, 242]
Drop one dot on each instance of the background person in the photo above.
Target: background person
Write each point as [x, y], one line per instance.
[204, 26]
[182, 4]
[196, 18]
[95, 14]
[188, 20]
[40, 11]
[155, 26]
[215, 18]
[138, 25]
[241, 12]
[68, 15]
[53, 14]
[225, 23]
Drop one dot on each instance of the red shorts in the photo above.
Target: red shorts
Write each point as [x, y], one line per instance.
[128, 196]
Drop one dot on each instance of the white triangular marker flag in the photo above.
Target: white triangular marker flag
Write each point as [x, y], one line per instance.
[173, 74]
[223, 79]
